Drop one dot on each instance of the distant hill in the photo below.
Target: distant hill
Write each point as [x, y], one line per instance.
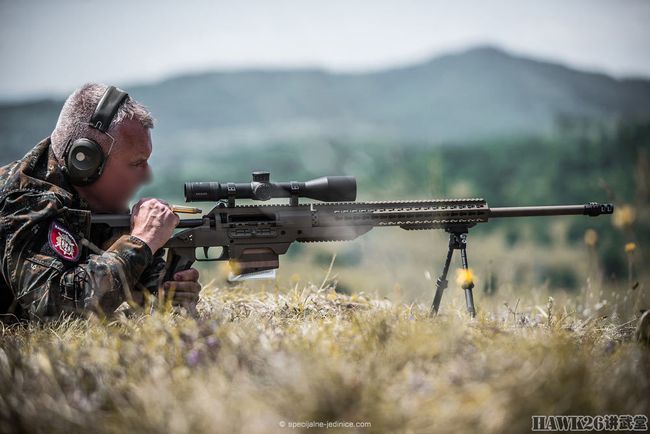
[474, 94]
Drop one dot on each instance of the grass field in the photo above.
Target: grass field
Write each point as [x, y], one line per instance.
[264, 361]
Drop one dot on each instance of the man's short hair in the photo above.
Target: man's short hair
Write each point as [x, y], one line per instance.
[77, 110]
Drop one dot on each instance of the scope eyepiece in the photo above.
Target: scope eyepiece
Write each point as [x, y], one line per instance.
[326, 189]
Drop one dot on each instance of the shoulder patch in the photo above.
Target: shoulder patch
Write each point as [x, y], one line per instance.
[62, 242]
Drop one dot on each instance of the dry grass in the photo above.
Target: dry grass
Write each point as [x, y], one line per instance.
[255, 359]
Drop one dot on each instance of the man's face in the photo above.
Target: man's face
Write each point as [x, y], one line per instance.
[125, 170]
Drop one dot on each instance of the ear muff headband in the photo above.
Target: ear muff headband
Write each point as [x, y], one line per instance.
[107, 108]
[84, 158]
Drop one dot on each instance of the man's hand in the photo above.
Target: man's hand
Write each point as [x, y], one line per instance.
[153, 221]
[184, 289]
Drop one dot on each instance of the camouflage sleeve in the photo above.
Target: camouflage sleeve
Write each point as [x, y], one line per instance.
[44, 284]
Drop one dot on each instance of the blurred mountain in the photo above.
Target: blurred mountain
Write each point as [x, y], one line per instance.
[475, 94]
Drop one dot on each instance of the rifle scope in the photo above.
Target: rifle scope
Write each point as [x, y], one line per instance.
[326, 189]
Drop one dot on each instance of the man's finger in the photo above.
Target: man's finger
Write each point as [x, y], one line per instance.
[189, 275]
[139, 202]
[182, 295]
[193, 287]
[182, 292]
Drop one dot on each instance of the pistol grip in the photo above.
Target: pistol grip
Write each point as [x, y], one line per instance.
[178, 260]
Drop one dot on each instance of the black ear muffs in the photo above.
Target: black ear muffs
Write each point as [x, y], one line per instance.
[84, 161]
[84, 158]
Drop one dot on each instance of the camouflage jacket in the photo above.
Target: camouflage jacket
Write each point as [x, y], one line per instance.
[52, 262]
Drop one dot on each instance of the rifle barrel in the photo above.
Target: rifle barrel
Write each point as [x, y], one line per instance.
[592, 209]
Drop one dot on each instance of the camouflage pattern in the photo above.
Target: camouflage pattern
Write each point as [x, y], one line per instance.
[38, 280]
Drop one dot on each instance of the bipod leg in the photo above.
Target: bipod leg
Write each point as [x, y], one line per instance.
[468, 282]
[441, 283]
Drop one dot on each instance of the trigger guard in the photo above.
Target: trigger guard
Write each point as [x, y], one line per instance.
[224, 255]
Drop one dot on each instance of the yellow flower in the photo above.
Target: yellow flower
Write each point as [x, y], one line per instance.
[591, 237]
[630, 248]
[235, 267]
[464, 276]
[624, 216]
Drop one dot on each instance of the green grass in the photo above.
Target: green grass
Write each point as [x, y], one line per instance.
[254, 359]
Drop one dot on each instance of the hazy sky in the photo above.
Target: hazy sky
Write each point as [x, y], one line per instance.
[52, 46]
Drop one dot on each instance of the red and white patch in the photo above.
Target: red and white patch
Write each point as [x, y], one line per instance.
[63, 243]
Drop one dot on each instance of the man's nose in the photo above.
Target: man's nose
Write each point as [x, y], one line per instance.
[148, 176]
